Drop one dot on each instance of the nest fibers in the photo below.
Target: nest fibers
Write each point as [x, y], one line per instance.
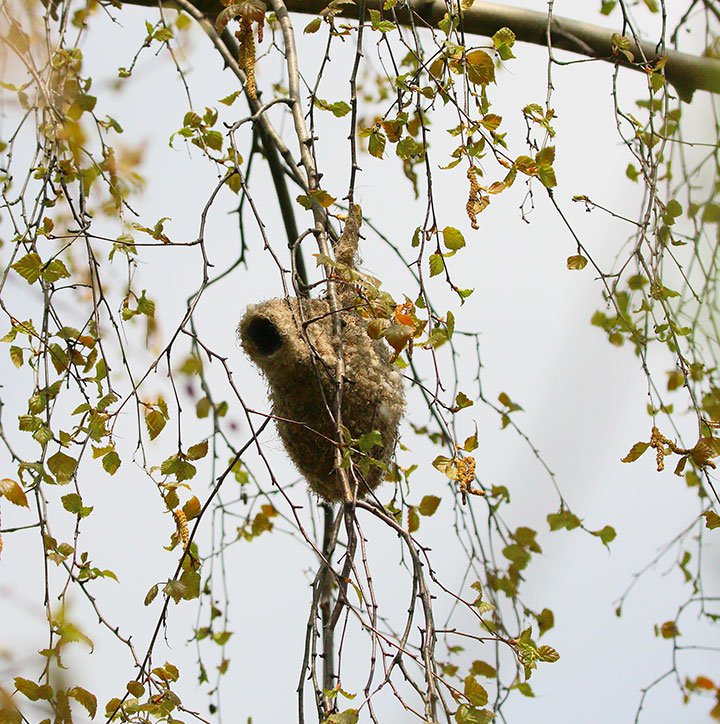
[292, 342]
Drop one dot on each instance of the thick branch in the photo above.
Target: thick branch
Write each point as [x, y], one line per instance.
[687, 73]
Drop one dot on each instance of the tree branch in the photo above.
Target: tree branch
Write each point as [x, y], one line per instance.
[686, 73]
[227, 46]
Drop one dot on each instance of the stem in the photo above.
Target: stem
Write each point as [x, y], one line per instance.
[326, 600]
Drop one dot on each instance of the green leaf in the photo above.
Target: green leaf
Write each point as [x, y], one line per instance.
[155, 422]
[111, 462]
[222, 637]
[517, 555]
[55, 270]
[428, 505]
[86, 698]
[413, 519]
[545, 620]
[674, 208]
[606, 534]
[376, 144]
[163, 34]
[482, 668]
[711, 213]
[475, 692]
[72, 502]
[229, 100]
[349, 716]
[338, 109]
[213, 140]
[384, 26]
[62, 466]
[547, 177]
[480, 68]
[12, 491]
[313, 26]
[202, 408]
[146, 306]
[576, 262]
[452, 238]
[196, 452]
[563, 519]
[28, 267]
[446, 466]
[16, 355]
[467, 714]
[370, 440]
[150, 595]
[462, 401]
[437, 264]
[471, 443]
[545, 156]
[135, 688]
[503, 42]
[27, 688]
[192, 120]
[192, 508]
[187, 588]
[635, 452]
[179, 467]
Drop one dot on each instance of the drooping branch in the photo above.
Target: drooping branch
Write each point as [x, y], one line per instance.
[686, 73]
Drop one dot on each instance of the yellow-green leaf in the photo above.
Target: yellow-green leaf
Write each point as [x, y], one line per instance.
[413, 519]
[155, 422]
[452, 238]
[28, 267]
[192, 508]
[635, 452]
[437, 264]
[475, 692]
[62, 466]
[313, 26]
[86, 698]
[111, 462]
[480, 67]
[195, 452]
[428, 505]
[576, 262]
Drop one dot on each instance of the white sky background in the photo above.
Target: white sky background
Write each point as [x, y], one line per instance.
[584, 400]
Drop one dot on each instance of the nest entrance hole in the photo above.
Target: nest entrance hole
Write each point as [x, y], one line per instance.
[265, 336]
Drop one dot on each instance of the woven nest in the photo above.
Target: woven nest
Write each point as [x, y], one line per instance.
[291, 341]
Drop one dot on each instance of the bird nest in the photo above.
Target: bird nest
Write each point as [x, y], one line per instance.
[295, 343]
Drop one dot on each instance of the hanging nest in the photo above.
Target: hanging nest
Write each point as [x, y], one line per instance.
[292, 341]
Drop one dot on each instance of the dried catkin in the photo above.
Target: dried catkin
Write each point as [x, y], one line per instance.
[292, 341]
